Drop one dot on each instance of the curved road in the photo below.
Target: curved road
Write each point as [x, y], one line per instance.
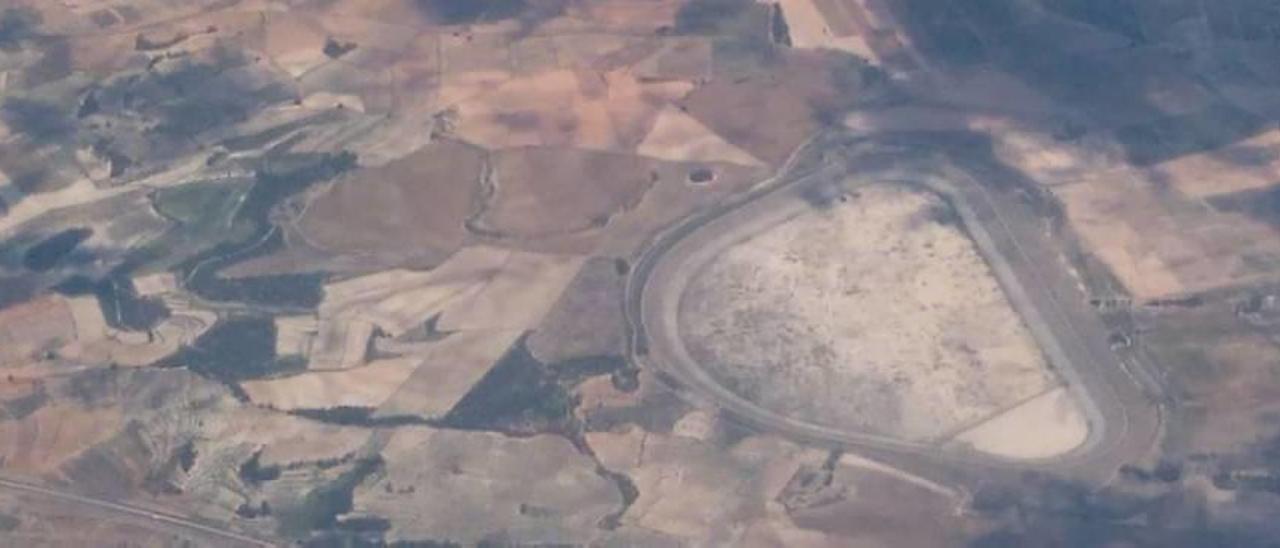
[1124, 422]
[196, 531]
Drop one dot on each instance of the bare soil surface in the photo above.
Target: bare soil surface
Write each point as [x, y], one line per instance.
[877, 314]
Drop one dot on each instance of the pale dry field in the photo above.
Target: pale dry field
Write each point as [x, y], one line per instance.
[365, 386]
[796, 90]
[537, 490]
[412, 207]
[516, 297]
[481, 300]
[591, 110]
[693, 489]
[1163, 244]
[542, 192]
[282, 439]
[477, 289]
[671, 198]
[45, 522]
[809, 28]
[588, 320]
[54, 434]
[871, 315]
[1045, 426]
[1249, 164]
[98, 343]
[294, 334]
[449, 369]
[678, 58]
[862, 27]
[30, 327]
[678, 137]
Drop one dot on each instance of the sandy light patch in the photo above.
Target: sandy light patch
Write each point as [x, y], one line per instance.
[517, 298]
[1161, 244]
[295, 43]
[1045, 426]
[448, 370]
[294, 334]
[365, 386]
[809, 29]
[150, 285]
[394, 301]
[877, 314]
[678, 137]
[87, 317]
[583, 108]
[1246, 165]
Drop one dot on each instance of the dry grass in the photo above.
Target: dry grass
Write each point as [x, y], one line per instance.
[294, 334]
[537, 490]
[479, 288]
[30, 327]
[516, 297]
[677, 58]
[587, 321]
[365, 386]
[862, 22]
[45, 522]
[295, 42]
[678, 137]
[867, 506]
[447, 371]
[394, 12]
[627, 15]
[482, 297]
[696, 491]
[1250, 164]
[564, 105]
[567, 107]
[54, 434]
[598, 393]
[1226, 368]
[672, 198]
[1161, 244]
[413, 206]
[283, 440]
[542, 192]
[796, 88]
[811, 28]
[155, 284]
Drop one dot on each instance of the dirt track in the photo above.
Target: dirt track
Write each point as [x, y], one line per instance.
[1123, 423]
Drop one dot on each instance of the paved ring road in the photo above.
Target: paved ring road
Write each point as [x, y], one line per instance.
[1124, 422]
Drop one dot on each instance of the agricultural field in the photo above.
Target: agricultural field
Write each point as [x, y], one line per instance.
[261, 260]
[361, 272]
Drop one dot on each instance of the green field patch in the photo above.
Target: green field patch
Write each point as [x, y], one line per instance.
[204, 215]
